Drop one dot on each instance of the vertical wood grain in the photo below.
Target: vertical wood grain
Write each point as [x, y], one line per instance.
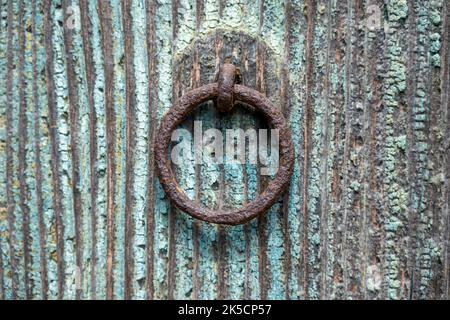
[83, 215]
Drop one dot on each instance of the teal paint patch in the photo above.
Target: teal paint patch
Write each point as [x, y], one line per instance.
[35, 259]
[233, 198]
[211, 18]
[141, 149]
[396, 193]
[428, 44]
[6, 291]
[275, 253]
[397, 10]
[185, 172]
[186, 25]
[45, 153]
[17, 227]
[83, 273]
[317, 165]
[210, 197]
[252, 288]
[207, 267]
[232, 183]
[296, 75]
[161, 218]
[272, 30]
[100, 132]
[65, 160]
[251, 16]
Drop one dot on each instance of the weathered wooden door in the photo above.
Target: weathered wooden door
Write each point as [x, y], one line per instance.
[364, 85]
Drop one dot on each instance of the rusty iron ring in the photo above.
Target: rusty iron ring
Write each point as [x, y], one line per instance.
[186, 105]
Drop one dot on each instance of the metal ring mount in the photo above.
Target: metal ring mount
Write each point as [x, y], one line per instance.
[180, 110]
[227, 78]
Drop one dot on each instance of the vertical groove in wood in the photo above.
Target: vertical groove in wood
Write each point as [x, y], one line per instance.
[104, 15]
[364, 161]
[445, 83]
[2, 112]
[347, 131]
[233, 175]
[370, 266]
[152, 109]
[273, 31]
[86, 29]
[250, 230]
[9, 153]
[29, 172]
[171, 250]
[307, 134]
[45, 152]
[106, 26]
[121, 128]
[296, 94]
[375, 132]
[63, 133]
[198, 182]
[411, 93]
[162, 224]
[221, 233]
[73, 115]
[22, 133]
[2, 276]
[262, 181]
[38, 169]
[419, 71]
[209, 240]
[79, 113]
[437, 154]
[343, 193]
[286, 107]
[347, 193]
[172, 264]
[318, 153]
[355, 167]
[208, 190]
[141, 146]
[3, 133]
[98, 127]
[325, 155]
[395, 189]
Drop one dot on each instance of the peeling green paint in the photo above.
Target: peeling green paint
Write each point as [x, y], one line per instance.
[364, 216]
[99, 88]
[6, 291]
[161, 236]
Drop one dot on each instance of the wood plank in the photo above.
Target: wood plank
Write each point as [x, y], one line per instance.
[363, 84]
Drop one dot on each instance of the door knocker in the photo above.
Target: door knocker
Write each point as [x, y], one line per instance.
[225, 92]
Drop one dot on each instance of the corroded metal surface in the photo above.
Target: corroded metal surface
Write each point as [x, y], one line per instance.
[186, 105]
[225, 98]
